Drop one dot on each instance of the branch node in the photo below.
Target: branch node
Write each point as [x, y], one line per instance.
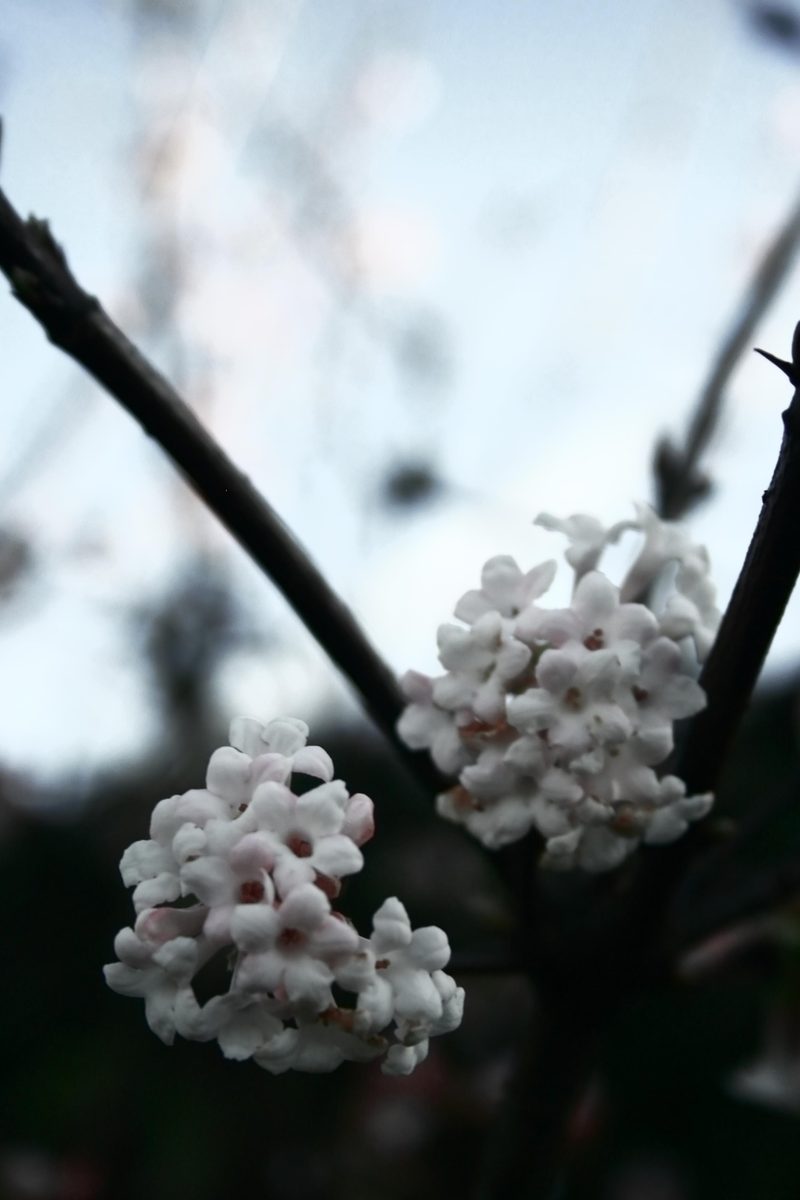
[26, 287]
[42, 236]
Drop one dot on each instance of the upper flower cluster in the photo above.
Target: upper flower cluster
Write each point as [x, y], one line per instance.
[262, 866]
[555, 718]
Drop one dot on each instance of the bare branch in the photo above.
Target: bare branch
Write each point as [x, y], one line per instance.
[765, 583]
[41, 280]
[656, 906]
[678, 478]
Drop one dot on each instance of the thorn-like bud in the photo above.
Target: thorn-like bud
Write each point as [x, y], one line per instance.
[790, 369]
[40, 231]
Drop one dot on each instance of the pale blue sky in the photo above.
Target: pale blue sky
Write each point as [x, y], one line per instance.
[576, 192]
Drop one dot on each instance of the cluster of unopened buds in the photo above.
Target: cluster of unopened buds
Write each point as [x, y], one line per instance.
[554, 719]
[244, 872]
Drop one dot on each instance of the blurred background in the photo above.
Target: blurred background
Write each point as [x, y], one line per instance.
[424, 269]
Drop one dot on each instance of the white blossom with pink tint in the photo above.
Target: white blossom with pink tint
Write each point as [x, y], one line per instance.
[554, 719]
[260, 867]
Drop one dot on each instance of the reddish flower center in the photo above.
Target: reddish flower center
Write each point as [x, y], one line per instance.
[462, 800]
[300, 846]
[624, 822]
[291, 937]
[251, 892]
[329, 886]
[342, 1017]
[595, 640]
[640, 695]
[483, 729]
[573, 698]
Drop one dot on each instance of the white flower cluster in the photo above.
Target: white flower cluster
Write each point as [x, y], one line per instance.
[246, 870]
[554, 719]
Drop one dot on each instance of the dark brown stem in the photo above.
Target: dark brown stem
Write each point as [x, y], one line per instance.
[528, 1147]
[762, 591]
[637, 935]
[765, 583]
[74, 320]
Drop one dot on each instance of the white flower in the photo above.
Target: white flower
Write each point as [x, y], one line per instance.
[495, 824]
[160, 972]
[553, 719]
[408, 985]
[504, 589]
[481, 662]
[260, 866]
[587, 538]
[320, 1045]
[690, 610]
[423, 725]
[595, 618]
[307, 833]
[288, 950]
[574, 703]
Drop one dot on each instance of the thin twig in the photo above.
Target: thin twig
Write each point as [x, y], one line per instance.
[41, 280]
[678, 479]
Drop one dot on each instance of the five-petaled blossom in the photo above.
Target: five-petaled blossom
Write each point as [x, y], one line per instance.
[239, 877]
[553, 719]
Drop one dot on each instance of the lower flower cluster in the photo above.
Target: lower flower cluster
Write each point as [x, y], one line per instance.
[554, 719]
[238, 880]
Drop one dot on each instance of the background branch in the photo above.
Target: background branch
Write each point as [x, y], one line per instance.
[737, 897]
[679, 482]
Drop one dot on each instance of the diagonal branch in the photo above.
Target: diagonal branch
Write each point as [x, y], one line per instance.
[41, 280]
[679, 480]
